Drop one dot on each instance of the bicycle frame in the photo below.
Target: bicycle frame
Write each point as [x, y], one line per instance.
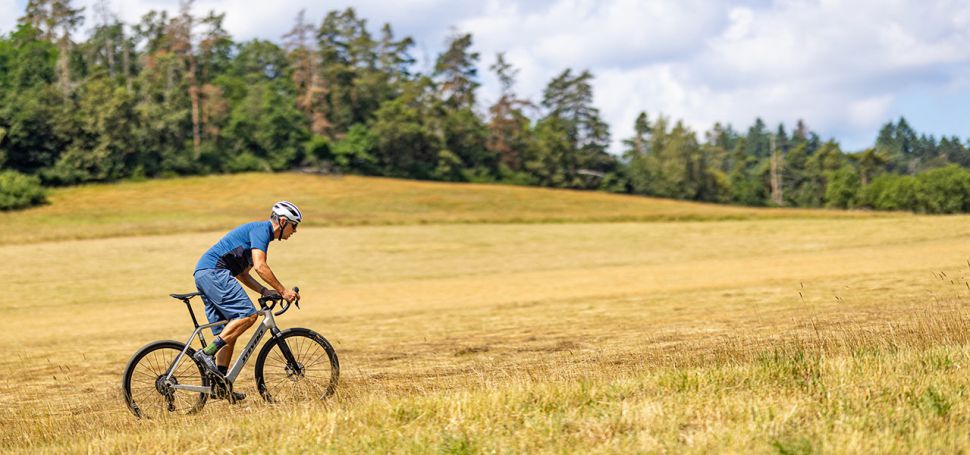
[268, 324]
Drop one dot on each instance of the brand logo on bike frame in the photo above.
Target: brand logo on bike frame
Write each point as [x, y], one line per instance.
[237, 367]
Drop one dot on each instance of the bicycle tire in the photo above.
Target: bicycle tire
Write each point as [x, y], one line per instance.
[154, 359]
[278, 382]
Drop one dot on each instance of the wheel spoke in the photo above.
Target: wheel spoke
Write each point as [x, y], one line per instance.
[277, 357]
[304, 349]
[185, 402]
[315, 353]
[163, 363]
[317, 359]
[143, 380]
[152, 367]
[322, 359]
[184, 368]
[280, 381]
[151, 376]
[145, 397]
[159, 363]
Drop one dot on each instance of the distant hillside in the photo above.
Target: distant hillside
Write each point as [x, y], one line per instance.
[219, 202]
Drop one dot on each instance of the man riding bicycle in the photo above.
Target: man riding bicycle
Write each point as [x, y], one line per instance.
[224, 266]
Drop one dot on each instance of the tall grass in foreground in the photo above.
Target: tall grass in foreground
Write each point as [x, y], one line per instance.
[838, 385]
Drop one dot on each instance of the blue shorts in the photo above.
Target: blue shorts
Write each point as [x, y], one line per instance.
[224, 298]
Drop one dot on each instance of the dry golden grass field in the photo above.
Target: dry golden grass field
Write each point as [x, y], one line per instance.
[493, 319]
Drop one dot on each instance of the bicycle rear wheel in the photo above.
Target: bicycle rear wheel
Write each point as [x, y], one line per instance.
[313, 376]
[143, 383]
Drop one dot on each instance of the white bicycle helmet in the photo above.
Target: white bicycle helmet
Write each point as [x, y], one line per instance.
[286, 209]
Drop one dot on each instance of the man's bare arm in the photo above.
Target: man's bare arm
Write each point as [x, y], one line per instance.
[264, 272]
[250, 282]
[262, 269]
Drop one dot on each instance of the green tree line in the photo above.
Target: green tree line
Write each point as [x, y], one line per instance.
[177, 95]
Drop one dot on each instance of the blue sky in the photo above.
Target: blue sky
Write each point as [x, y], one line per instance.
[845, 67]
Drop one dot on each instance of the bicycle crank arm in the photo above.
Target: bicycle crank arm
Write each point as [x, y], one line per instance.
[193, 388]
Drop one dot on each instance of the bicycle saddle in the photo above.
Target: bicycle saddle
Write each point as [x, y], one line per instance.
[185, 296]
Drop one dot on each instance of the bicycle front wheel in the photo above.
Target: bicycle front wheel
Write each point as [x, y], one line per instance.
[145, 390]
[310, 372]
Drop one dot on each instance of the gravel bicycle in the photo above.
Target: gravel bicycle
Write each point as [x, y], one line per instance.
[295, 364]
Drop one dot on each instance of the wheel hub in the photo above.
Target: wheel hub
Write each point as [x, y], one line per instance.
[163, 387]
[294, 373]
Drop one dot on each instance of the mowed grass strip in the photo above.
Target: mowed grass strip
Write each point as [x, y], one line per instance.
[220, 202]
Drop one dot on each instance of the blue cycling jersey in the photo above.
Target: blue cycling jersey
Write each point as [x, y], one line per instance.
[235, 251]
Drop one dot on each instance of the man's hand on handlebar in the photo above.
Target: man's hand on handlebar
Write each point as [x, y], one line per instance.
[289, 295]
[270, 293]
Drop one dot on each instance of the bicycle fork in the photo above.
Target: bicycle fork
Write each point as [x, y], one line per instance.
[293, 368]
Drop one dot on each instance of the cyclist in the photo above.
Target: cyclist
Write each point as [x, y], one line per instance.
[224, 266]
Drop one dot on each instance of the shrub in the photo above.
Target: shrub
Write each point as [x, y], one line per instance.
[355, 152]
[18, 191]
[946, 189]
[246, 162]
[894, 192]
[843, 188]
[318, 149]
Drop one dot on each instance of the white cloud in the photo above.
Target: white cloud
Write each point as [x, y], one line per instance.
[583, 33]
[9, 12]
[248, 19]
[869, 111]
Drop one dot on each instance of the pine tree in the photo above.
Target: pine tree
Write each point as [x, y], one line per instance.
[568, 100]
[456, 74]
[870, 162]
[394, 57]
[637, 146]
[508, 125]
[56, 20]
[758, 142]
[348, 58]
[406, 145]
[31, 108]
[310, 85]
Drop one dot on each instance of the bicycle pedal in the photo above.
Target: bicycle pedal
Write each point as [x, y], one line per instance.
[222, 390]
[231, 396]
[218, 377]
[218, 383]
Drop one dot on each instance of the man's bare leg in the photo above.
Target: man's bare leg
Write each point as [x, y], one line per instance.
[224, 356]
[237, 327]
[233, 330]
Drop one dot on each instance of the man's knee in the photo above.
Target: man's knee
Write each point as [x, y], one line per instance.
[250, 320]
[245, 320]
[237, 326]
